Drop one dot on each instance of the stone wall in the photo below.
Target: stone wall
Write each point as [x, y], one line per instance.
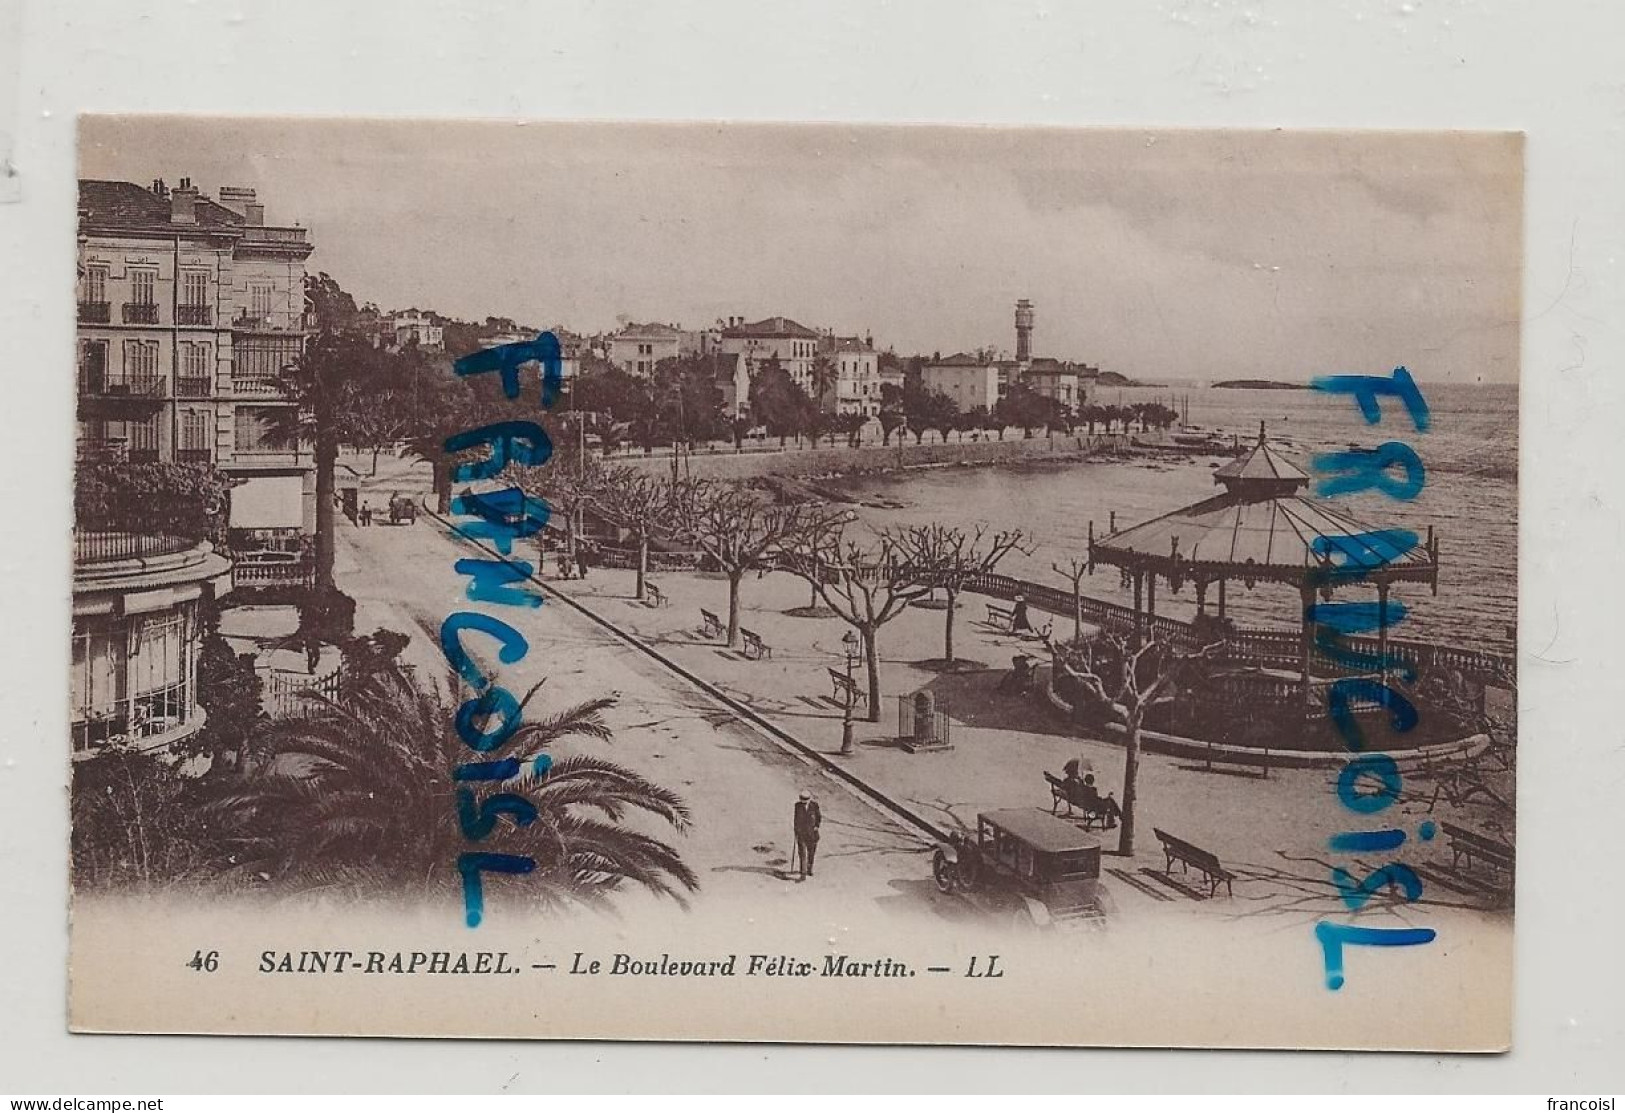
[842, 460]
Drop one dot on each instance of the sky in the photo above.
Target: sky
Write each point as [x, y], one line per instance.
[1179, 255]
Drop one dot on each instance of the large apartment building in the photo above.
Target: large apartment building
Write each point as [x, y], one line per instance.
[188, 310]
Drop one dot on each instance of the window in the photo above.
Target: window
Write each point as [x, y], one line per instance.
[143, 434]
[262, 357]
[141, 361]
[195, 431]
[93, 365]
[195, 360]
[98, 673]
[195, 288]
[96, 284]
[254, 431]
[259, 300]
[143, 287]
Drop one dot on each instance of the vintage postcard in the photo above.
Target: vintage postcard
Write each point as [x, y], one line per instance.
[795, 583]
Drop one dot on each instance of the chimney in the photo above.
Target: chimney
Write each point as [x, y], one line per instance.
[183, 203]
[242, 201]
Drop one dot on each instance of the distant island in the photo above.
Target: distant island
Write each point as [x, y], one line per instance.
[1115, 378]
[1258, 384]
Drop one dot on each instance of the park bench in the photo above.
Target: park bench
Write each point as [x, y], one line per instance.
[1465, 843]
[1189, 854]
[1001, 617]
[713, 624]
[1093, 809]
[657, 598]
[846, 690]
[755, 647]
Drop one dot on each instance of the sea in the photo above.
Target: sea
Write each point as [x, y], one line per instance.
[1470, 499]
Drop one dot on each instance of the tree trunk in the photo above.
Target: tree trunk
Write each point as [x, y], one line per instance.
[1077, 611]
[1131, 772]
[643, 562]
[375, 452]
[327, 454]
[871, 658]
[733, 605]
[948, 629]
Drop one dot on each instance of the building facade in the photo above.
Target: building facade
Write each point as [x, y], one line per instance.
[640, 348]
[967, 380]
[1050, 378]
[137, 636]
[420, 330]
[189, 308]
[857, 376]
[793, 344]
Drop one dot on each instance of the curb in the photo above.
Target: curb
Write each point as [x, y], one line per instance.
[865, 792]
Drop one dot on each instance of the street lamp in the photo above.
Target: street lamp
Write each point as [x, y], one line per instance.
[850, 642]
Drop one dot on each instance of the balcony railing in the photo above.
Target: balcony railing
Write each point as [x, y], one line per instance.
[99, 384]
[194, 386]
[268, 322]
[103, 452]
[256, 387]
[143, 455]
[194, 455]
[139, 313]
[193, 314]
[95, 312]
[92, 545]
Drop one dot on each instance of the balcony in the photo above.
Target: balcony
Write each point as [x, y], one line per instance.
[194, 386]
[91, 546]
[269, 322]
[99, 384]
[95, 313]
[248, 386]
[143, 455]
[138, 313]
[111, 451]
[194, 455]
[194, 315]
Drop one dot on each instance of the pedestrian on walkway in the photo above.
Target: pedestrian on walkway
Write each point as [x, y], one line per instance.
[564, 565]
[807, 820]
[581, 561]
[366, 513]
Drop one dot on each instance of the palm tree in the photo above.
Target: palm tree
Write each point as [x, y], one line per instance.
[358, 792]
[824, 380]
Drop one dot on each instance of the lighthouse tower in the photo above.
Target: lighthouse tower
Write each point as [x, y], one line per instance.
[1024, 331]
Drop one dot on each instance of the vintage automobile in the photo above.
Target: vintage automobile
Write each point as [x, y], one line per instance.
[1040, 871]
[402, 510]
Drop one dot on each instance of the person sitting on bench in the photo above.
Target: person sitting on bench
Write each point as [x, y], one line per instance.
[1093, 801]
[1019, 622]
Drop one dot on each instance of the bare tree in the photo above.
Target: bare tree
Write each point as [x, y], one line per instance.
[1126, 682]
[867, 586]
[738, 528]
[949, 558]
[1074, 572]
[634, 501]
[565, 485]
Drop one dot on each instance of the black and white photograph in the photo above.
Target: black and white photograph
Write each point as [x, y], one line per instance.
[796, 582]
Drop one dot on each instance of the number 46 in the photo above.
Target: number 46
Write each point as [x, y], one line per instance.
[207, 962]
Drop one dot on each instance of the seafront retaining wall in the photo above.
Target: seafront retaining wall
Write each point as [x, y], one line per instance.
[843, 460]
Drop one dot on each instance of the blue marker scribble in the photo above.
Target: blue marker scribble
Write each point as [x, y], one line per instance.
[1333, 937]
[1368, 389]
[506, 359]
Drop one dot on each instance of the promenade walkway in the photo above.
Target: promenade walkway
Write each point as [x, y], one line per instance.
[1273, 832]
